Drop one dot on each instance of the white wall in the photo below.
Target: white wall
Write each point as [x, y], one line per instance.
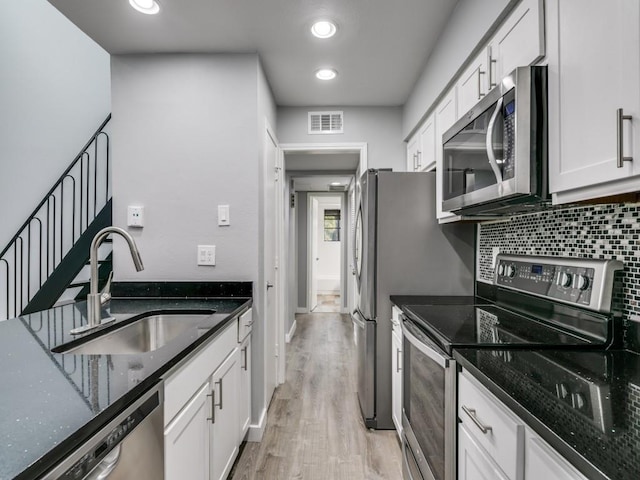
[468, 25]
[379, 127]
[187, 134]
[328, 265]
[54, 93]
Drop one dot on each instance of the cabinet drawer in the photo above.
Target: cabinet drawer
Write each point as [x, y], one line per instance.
[245, 322]
[182, 384]
[494, 427]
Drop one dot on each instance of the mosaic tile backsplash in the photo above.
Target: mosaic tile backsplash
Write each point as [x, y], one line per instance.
[595, 231]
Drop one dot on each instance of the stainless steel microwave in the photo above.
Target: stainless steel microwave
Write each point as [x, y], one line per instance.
[495, 156]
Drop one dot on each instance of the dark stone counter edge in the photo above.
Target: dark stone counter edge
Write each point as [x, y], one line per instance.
[573, 457]
[181, 289]
[55, 455]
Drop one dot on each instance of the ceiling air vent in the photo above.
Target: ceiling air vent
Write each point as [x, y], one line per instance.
[337, 188]
[325, 122]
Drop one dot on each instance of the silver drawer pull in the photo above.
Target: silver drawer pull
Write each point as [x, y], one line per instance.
[620, 118]
[472, 415]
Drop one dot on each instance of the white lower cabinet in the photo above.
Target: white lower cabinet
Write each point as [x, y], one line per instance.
[186, 440]
[542, 461]
[493, 443]
[474, 463]
[396, 371]
[207, 409]
[225, 438]
[245, 387]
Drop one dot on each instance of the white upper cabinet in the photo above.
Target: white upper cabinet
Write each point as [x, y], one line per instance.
[472, 84]
[427, 150]
[594, 70]
[412, 153]
[518, 42]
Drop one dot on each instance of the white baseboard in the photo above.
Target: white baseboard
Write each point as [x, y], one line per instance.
[292, 330]
[302, 310]
[256, 431]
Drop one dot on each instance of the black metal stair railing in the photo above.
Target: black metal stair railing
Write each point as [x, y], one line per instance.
[56, 224]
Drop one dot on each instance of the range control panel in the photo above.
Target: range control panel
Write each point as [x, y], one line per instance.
[584, 282]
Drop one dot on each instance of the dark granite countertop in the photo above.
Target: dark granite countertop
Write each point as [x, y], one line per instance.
[50, 403]
[603, 442]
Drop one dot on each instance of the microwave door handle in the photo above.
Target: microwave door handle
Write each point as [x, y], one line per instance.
[489, 142]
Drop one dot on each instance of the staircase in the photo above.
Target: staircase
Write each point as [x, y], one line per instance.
[46, 262]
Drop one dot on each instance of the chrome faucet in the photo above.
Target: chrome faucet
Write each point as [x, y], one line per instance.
[96, 299]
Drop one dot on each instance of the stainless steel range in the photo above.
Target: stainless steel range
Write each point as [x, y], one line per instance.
[541, 303]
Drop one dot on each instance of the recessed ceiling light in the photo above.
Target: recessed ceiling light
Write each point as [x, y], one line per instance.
[326, 74]
[335, 183]
[150, 7]
[324, 29]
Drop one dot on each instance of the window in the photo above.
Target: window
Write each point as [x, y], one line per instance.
[332, 225]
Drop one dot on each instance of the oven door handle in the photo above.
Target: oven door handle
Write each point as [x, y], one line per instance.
[431, 351]
[489, 142]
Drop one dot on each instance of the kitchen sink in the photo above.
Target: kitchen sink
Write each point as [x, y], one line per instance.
[141, 335]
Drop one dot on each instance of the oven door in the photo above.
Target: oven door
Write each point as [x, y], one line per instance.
[429, 406]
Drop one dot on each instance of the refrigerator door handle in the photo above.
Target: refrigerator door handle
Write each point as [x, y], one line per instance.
[356, 318]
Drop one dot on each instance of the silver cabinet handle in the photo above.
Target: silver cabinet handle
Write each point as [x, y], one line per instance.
[269, 285]
[212, 396]
[621, 117]
[480, 94]
[219, 382]
[492, 61]
[472, 415]
[419, 154]
[415, 161]
[244, 352]
[398, 368]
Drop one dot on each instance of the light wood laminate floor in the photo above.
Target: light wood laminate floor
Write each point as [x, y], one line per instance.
[314, 428]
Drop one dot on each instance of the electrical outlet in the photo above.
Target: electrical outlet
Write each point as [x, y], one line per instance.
[207, 255]
[135, 216]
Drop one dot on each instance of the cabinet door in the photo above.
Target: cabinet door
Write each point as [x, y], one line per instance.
[594, 69]
[186, 439]
[472, 85]
[474, 463]
[412, 153]
[541, 461]
[518, 42]
[427, 145]
[224, 431]
[396, 382]
[446, 116]
[244, 402]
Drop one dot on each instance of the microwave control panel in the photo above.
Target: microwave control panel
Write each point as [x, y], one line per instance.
[584, 282]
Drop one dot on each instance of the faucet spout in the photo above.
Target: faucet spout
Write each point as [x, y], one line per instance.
[94, 298]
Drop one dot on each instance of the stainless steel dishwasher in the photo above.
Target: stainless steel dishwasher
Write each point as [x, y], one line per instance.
[129, 446]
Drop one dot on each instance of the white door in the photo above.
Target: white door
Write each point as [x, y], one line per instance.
[271, 287]
[313, 253]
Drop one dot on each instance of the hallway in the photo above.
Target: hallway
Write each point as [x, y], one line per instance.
[314, 428]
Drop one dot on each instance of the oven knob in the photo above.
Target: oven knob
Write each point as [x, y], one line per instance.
[565, 279]
[561, 390]
[511, 271]
[578, 401]
[501, 269]
[583, 282]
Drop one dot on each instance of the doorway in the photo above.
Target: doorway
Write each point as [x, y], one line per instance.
[326, 257]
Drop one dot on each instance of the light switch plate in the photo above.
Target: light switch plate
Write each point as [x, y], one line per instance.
[135, 216]
[207, 255]
[223, 215]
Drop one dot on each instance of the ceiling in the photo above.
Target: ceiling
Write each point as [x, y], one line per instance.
[322, 161]
[320, 183]
[379, 50]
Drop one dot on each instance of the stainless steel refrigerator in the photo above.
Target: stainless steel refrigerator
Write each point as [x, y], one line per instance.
[399, 249]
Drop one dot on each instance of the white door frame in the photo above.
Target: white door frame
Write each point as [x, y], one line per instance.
[282, 238]
[310, 230]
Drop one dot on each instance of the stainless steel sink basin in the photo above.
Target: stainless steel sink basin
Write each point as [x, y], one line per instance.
[143, 335]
